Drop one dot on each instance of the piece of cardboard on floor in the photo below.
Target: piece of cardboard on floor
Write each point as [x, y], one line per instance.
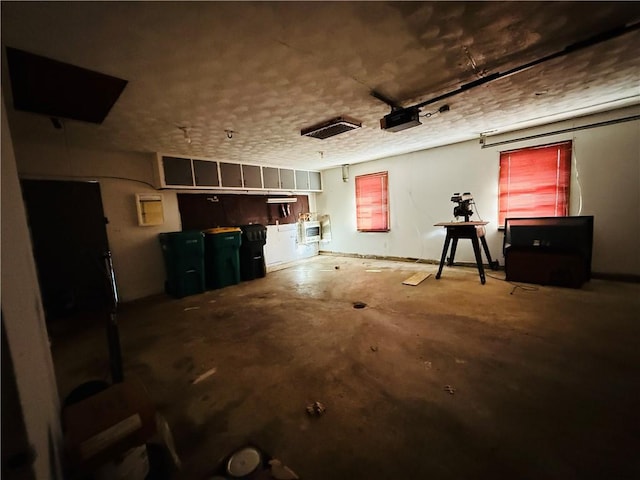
[416, 278]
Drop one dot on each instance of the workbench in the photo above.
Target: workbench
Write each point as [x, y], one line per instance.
[474, 231]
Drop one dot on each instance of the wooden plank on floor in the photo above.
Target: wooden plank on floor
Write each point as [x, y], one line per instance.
[416, 278]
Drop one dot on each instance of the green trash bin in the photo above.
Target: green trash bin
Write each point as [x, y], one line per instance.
[221, 257]
[183, 254]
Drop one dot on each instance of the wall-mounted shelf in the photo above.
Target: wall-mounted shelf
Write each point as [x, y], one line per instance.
[202, 174]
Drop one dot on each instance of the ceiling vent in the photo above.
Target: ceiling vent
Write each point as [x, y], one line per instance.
[331, 128]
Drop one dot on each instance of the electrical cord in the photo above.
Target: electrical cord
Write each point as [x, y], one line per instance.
[516, 286]
[475, 207]
[442, 109]
[89, 177]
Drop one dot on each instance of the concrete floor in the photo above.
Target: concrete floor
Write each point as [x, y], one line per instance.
[545, 380]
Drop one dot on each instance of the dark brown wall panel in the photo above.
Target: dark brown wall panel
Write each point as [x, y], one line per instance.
[200, 211]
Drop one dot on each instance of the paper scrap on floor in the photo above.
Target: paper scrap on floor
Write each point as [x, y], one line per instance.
[205, 375]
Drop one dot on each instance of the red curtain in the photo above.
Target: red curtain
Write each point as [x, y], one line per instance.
[372, 202]
[534, 182]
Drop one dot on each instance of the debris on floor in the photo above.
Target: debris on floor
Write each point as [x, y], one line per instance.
[427, 365]
[359, 304]
[204, 376]
[244, 462]
[252, 463]
[450, 389]
[280, 471]
[374, 348]
[337, 267]
[191, 308]
[316, 409]
[416, 278]
[165, 438]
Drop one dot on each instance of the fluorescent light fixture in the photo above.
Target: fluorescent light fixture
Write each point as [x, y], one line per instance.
[282, 200]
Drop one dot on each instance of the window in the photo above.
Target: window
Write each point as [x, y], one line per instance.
[534, 182]
[372, 202]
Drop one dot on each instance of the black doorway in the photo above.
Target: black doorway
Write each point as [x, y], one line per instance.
[69, 238]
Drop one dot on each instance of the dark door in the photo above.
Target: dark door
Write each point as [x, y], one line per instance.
[69, 238]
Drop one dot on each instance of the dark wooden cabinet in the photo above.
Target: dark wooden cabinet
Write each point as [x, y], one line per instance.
[549, 250]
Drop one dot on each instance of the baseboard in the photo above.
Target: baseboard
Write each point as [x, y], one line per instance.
[427, 261]
[617, 277]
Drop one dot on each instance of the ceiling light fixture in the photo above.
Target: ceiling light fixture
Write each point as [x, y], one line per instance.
[330, 128]
[282, 200]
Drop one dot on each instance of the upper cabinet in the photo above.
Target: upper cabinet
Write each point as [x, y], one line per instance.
[177, 171]
[231, 174]
[315, 181]
[302, 180]
[287, 179]
[201, 174]
[251, 176]
[271, 177]
[206, 173]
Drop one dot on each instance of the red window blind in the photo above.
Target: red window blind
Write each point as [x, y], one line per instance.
[372, 202]
[534, 182]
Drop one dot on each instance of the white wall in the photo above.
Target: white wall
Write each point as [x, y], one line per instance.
[605, 183]
[23, 317]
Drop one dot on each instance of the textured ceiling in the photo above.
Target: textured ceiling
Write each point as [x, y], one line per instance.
[267, 70]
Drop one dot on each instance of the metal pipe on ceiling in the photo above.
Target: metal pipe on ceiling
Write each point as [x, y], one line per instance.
[594, 40]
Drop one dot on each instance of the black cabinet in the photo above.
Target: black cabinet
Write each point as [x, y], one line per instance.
[549, 250]
[177, 171]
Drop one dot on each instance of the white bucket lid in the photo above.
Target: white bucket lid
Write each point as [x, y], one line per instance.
[243, 462]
